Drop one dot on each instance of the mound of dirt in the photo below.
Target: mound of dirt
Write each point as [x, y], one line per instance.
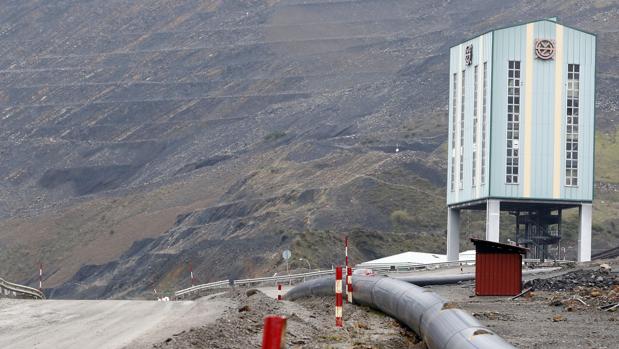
[310, 324]
[602, 279]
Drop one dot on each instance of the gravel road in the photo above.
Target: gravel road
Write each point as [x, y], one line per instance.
[102, 324]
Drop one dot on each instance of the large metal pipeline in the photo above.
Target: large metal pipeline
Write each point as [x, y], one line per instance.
[324, 286]
[423, 311]
[425, 280]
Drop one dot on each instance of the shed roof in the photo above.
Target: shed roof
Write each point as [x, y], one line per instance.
[496, 247]
[419, 258]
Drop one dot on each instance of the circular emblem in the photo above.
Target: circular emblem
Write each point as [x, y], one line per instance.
[468, 55]
[545, 49]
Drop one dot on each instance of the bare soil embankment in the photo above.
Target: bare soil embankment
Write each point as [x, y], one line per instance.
[310, 324]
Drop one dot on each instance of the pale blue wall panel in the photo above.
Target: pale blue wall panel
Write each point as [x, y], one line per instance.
[482, 52]
[509, 44]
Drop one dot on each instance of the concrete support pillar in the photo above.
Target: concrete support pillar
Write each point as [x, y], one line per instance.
[493, 219]
[453, 234]
[584, 233]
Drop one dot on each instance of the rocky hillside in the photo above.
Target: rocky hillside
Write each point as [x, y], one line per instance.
[136, 136]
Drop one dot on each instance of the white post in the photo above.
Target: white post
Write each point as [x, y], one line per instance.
[584, 233]
[453, 234]
[493, 220]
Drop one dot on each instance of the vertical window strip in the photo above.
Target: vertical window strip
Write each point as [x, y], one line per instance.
[474, 159]
[513, 123]
[571, 134]
[483, 124]
[462, 99]
[454, 118]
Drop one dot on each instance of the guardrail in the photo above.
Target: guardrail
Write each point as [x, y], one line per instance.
[246, 282]
[8, 288]
[211, 285]
[283, 278]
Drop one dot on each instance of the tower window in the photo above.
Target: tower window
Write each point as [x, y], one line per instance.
[474, 162]
[462, 104]
[513, 123]
[454, 118]
[571, 134]
[483, 124]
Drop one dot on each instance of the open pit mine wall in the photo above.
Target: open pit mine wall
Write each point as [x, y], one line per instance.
[425, 312]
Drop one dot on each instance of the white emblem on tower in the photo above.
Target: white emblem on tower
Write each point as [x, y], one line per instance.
[545, 49]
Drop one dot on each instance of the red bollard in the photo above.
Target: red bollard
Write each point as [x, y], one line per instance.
[274, 335]
[338, 297]
[349, 284]
[279, 292]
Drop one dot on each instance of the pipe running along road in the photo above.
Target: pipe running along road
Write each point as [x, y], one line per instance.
[423, 311]
[425, 280]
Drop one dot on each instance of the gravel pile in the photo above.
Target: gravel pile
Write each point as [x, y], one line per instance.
[601, 279]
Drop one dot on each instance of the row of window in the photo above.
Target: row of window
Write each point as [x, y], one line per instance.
[571, 134]
[513, 122]
[512, 166]
[474, 158]
[453, 131]
[462, 104]
[475, 126]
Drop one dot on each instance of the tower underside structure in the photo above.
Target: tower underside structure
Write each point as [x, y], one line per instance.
[536, 224]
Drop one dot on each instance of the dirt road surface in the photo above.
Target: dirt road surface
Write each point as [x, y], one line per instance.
[103, 324]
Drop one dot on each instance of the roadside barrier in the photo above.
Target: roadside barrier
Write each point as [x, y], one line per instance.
[12, 290]
[196, 288]
[254, 281]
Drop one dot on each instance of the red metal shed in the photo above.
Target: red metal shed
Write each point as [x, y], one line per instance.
[498, 268]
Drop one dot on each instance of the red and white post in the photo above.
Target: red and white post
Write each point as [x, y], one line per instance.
[40, 276]
[274, 334]
[349, 284]
[279, 292]
[338, 297]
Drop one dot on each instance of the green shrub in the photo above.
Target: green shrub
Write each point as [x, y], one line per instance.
[273, 136]
[400, 217]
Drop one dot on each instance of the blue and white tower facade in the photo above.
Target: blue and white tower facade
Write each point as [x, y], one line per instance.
[521, 133]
